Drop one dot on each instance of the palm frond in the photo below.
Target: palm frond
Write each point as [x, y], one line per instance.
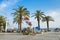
[14, 14]
[21, 8]
[47, 18]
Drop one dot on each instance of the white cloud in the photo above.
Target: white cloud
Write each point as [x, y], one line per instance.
[7, 3]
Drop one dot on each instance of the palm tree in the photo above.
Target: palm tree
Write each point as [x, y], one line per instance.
[18, 16]
[38, 15]
[4, 25]
[2, 20]
[47, 19]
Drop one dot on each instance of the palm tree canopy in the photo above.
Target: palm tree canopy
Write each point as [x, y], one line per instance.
[2, 20]
[38, 14]
[21, 11]
[47, 18]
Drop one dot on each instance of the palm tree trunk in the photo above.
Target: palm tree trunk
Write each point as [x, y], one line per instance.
[20, 26]
[0, 28]
[20, 22]
[48, 25]
[4, 28]
[38, 22]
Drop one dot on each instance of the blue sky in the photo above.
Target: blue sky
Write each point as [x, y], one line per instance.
[50, 7]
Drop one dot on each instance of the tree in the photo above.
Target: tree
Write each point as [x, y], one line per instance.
[47, 19]
[38, 15]
[18, 16]
[2, 20]
[4, 25]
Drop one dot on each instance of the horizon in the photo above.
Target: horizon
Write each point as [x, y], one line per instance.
[49, 7]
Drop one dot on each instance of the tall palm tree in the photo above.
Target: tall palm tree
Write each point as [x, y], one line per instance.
[47, 19]
[18, 16]
[38, 15]
[2, 20]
